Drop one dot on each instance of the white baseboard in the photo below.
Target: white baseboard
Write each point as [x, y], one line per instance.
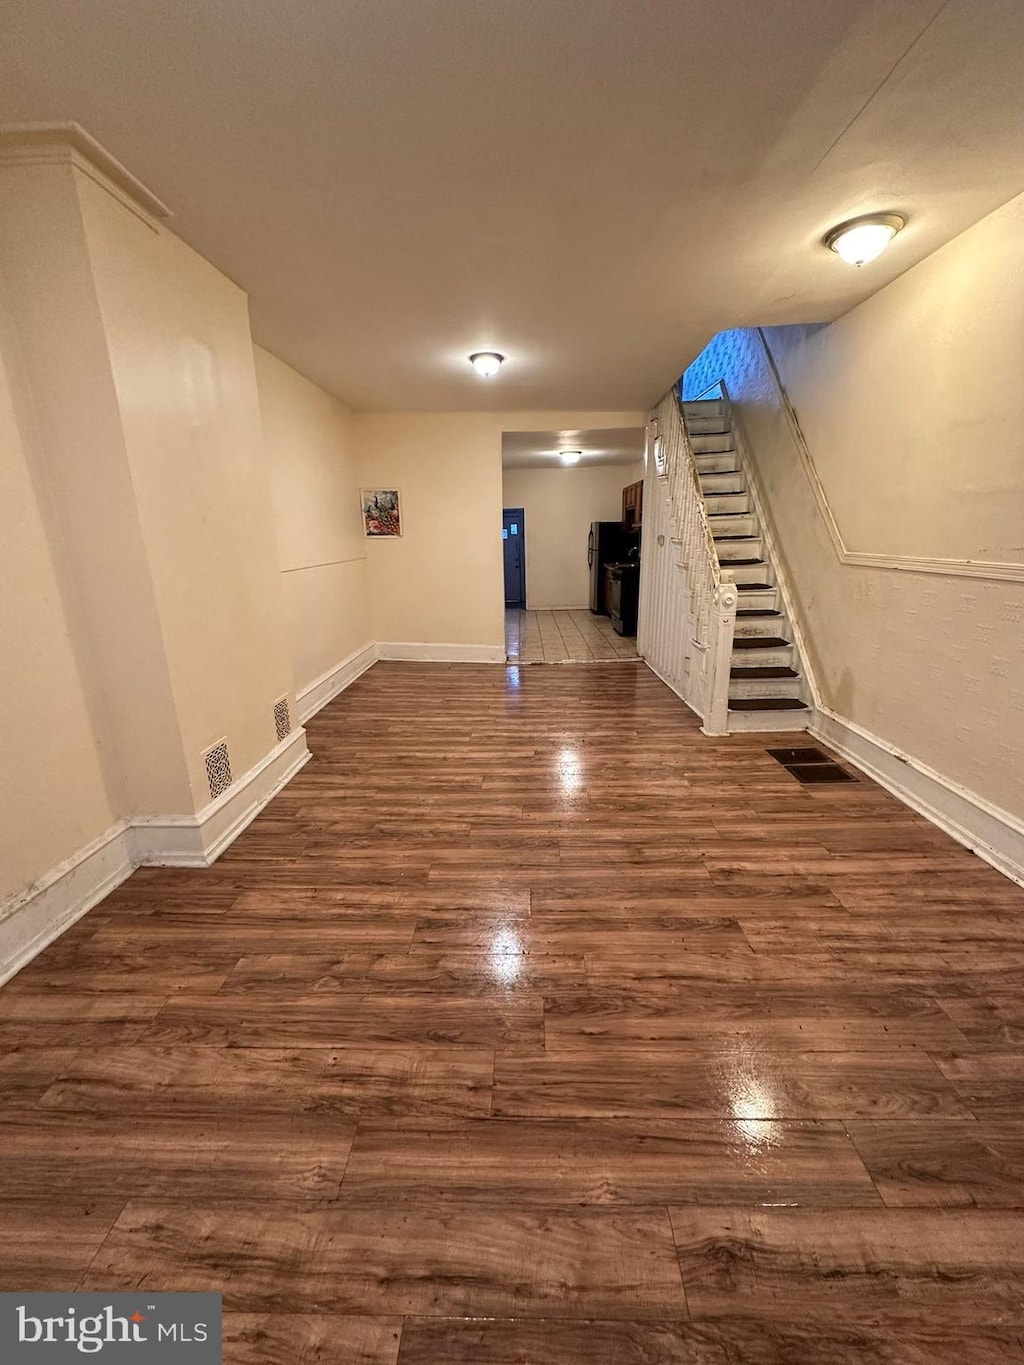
[991, 833]
[199, 840]
[33, 918]
[325, 688]
[441, 654]
[36, 916]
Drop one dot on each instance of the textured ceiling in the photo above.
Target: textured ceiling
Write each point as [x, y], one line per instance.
[593, 187]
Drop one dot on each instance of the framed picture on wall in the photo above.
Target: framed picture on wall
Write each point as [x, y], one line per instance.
[382, 514]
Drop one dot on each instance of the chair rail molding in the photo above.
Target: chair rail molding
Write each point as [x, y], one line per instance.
[966, 568]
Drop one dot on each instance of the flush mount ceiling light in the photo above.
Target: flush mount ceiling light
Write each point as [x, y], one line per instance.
[486, 363]
[863, 239]
[570, 456]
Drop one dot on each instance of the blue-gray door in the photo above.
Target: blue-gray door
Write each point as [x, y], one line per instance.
[514, 545]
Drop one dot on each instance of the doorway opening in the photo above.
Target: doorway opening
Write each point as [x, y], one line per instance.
[513, 536]
[582, 492]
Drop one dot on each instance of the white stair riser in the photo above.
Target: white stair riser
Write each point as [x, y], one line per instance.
[713, 443]
[764, 601]
[738, 549]
[738, 504]
[753, 627]
[704, 407]
[767, 722]
[742, 524]
[726, 481]
[746, 573]
[782, 656]
[765, 687]
[727, 463]
[718, 464]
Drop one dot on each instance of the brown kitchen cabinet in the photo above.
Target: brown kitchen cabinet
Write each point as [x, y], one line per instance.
[633, 505]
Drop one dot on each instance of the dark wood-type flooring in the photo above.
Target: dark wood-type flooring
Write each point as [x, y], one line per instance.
[528, 1025]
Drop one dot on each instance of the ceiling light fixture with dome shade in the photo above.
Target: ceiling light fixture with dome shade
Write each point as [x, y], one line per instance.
[486, 363]
[570, 456]
[864, 239]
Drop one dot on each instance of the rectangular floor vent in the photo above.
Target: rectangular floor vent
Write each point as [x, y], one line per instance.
[282, 719]
[788, 756]
[810, 766]
[218, 767]
[819, 772]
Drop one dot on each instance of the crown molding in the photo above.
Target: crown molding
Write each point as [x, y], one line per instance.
[68, 144]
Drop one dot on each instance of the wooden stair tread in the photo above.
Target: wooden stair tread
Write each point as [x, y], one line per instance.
[765, 671]
[746, 645]
[767, 704]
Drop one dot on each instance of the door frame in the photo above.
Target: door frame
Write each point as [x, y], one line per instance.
[519, 513]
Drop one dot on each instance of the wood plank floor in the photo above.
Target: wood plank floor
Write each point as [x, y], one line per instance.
[529, 1025]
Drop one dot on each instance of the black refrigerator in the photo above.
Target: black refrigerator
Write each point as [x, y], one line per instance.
[607, 543]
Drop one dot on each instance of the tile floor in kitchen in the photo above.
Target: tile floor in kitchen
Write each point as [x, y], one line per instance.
[556, 637]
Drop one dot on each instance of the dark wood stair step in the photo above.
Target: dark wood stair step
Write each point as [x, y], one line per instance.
[767, 704]
[759, 642]
[751, 612]
[754, 587]
[766, 671]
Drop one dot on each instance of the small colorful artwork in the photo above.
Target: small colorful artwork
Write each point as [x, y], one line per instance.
[381, 513]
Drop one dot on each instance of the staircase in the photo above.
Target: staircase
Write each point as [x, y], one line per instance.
[767, 689]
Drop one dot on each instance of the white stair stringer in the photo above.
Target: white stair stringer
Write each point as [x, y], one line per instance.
[769, 687]
[687, 611]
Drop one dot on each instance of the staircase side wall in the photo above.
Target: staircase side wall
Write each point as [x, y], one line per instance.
[666, 620]
[918, 665]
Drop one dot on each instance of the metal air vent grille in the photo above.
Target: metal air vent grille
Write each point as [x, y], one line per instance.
[282, 719]
[218, 768]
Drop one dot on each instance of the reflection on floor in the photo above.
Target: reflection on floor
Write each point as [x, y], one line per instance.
[527, 1023]
[558, 637]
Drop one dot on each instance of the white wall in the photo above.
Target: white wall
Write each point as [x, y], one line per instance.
[918, 392]
[146, 617]
[51, 772]
[559, 505]
[913, 412]
[442, 582]
[177, 332]
[322, 554]
[80, 459]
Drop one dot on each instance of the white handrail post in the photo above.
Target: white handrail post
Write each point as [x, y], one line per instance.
[723, 618]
